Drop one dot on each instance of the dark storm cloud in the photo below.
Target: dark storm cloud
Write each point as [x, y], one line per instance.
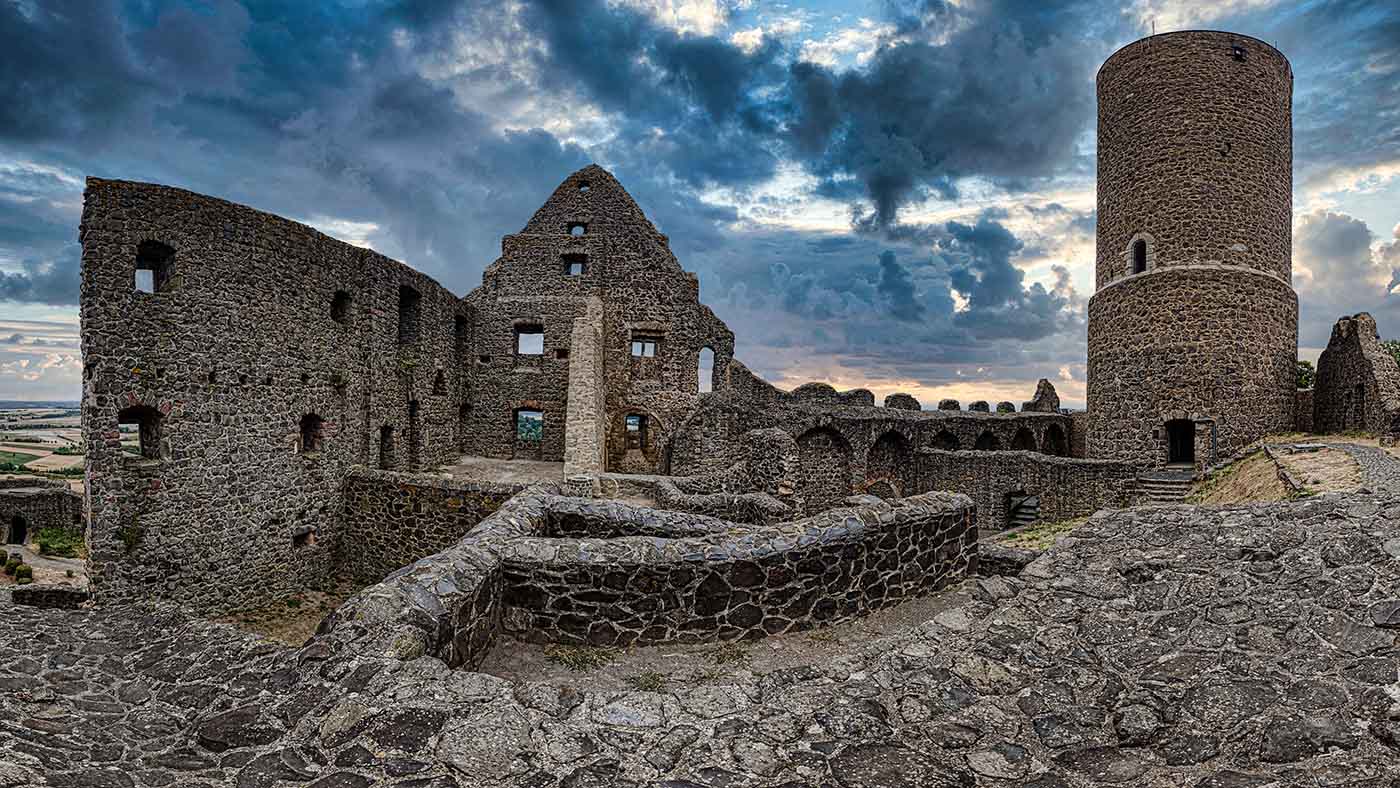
[1348, 273]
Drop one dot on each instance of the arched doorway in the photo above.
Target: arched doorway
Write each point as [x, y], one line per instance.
[890, 461]
[1055, 442]
[1024, 440]
[987, 441]
[1181, 442]
[946, 441]
[19, 530]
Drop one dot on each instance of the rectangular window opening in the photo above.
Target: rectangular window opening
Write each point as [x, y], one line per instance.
[529, 341]
[644, 347]
[529, 425]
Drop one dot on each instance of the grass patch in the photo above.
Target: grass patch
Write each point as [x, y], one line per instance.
[579, 658]
[16, 458]
[1041, 535]
[59, 543]
[647, 681]
[1202, 491]
[729, 652]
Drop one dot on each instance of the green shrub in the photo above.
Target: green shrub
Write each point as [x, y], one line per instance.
[24, 572]
[58, 542]
[10, 566]
[24, 581]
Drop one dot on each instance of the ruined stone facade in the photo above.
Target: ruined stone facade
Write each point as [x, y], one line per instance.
[1193, 325]
[1358, 382]
[29, 504]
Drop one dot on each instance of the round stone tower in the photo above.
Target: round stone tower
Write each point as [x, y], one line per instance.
[1193, 326]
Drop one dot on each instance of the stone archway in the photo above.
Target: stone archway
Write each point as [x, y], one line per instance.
[888, 466]
[1055, 442]
[1024, 440]
[18, 531]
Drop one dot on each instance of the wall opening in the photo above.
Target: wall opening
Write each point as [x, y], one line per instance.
[1055, 442]
[946, 441]
[340, 307]
[636, 431]
[154, 264]
[145, 424]
[705, 370]
[577, 229]
[645, 345]
[1024, 440]
[19, 531]
[529, 340]
[440, 383]
[304, 538]
[459, 336]
[987, 441]
[409, 306]
[386, 447]
[464, 413]
[415, 437]
[311, 433]
[1139, 255]
[824, 457]
[529, 434]
[575, 264]
[1181, 442]
[1020, 509]
[583, 186]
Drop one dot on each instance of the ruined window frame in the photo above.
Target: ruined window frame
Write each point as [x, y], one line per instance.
[640, 343]
[158, 260]
[634, 427]
[529, 329]
[150, 431]
[518, 417]
[312, 438]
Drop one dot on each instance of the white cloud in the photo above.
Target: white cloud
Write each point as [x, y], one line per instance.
[1171, 15]
[704, 17]
[840, 47]
[351, 232]
[750, 39]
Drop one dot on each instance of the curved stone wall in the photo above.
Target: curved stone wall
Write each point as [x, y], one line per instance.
[576, 570]
[1212, 344]
[1195, 154]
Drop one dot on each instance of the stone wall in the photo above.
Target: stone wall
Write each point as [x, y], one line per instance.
[1216, 345]
[29, 504]
[257, 327]
[1303, 411]
[1065, 488]
[1358, 382]
[633, 587]
[392, 519]
[844, 444]
[589, 240]
[585, 429]
[1195, 154]
[576, 570]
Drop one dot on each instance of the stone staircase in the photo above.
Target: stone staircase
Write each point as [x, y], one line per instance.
[1023, 512]
[1164, 487]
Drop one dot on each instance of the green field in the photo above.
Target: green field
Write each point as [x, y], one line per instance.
[7, 457]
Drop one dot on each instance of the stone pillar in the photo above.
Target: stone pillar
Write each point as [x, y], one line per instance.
[584, 422]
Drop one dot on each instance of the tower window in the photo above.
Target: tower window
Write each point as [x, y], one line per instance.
[644, 346]
[583, 187]
[1139, 256]
[340, 307]
[1237, 52]
[575, 265]
[145, 421]
[153, 264]
[577, 229]
[408, 314]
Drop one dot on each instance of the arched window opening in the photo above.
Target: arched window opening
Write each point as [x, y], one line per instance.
[140, 428]
[1139, 256]
[583, 186]
[386, 447]
[1055, 442]
[706, 370]
[311, 438]
[409, 305]
[440, 383]
[987, 441]
[460, 331]
[577, 229]
[636, 431]
[946, 441]
[1181, 442]
[1024, 440]
[154, 265]
[340, 307]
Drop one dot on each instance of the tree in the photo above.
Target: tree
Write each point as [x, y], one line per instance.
[1392, 346]
[1306, 374]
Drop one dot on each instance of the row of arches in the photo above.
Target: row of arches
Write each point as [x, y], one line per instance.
[1054, 442]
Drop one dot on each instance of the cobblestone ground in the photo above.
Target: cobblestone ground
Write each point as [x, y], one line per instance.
[1379, 468]
[1172, 646]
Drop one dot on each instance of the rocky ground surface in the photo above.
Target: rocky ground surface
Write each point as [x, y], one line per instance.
[1172, 646]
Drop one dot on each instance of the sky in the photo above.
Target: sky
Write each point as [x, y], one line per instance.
[891, 194]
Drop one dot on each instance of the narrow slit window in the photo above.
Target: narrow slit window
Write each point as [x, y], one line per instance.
[340, 307]
[1139, 256]
[409, 303]
[575, 265]
[311, 433]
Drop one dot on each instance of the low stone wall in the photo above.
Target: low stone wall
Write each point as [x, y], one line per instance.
[392, 519]
[691, 495]
[1303, 413]
[33, 503]
[648, 576]
[1066, 487]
